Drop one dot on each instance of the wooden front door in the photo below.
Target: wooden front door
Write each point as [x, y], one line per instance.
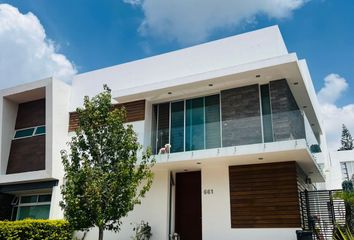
[188, 215]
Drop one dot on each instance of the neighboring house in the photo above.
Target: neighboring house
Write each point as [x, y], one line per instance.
[241, 116]
[342, 168]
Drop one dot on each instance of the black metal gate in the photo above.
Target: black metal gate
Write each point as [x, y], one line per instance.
[320, 212]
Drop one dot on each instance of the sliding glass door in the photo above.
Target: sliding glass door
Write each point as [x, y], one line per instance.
[195, 135]
[212, 122]
[177, 126]
[160, 126]
[187, 125]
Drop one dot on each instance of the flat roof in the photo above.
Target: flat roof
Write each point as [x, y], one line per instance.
[237, 50]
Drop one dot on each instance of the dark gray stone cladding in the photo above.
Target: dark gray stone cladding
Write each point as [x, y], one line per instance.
[240, 109]
[288, 122]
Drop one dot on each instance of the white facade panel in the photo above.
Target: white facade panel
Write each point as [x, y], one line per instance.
[240, 49]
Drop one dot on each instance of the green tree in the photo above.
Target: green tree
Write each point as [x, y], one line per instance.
[104, 177]
[346, 140]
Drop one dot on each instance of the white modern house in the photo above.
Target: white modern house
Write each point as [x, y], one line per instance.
[241, 116]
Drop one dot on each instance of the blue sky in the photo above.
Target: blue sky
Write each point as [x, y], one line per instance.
[95, 34]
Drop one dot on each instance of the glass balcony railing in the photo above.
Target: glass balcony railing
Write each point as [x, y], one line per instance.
[311, 139]
[233, 131]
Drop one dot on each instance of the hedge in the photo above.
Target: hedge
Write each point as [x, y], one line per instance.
[35, 230]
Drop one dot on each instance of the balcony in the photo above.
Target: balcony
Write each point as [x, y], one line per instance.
[276, 137]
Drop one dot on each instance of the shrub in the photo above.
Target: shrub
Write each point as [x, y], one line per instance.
[35, 230]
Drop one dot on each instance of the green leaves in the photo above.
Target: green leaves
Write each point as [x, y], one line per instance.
[347, 195]
[104, 178]
[343, 235]
[35, 230]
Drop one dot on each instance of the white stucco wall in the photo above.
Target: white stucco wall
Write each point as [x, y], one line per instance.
[249, 47]
[8, 114]
[59, 126]
[139, 128]
[153, 209]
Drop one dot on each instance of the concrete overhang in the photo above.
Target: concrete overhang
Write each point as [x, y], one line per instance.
[38, 186]
[260, 72]
[26, 92]
[25, 177]
[293, 150]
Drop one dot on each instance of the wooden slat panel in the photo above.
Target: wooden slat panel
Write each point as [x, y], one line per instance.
[135, 112]
[73, 121]
[264, 196]
[30, 114]
[26, 155]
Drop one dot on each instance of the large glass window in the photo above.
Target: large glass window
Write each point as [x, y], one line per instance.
[177, 126]
[195, 135]
[32, 206]
[212, 122]
[163, 120]
[154, 128]
[33, 212]
[187, 125]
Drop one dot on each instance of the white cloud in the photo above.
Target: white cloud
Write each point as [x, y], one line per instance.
[133, 2]
[26, 53]
[335, 116]
[333, 88]
[190, 21]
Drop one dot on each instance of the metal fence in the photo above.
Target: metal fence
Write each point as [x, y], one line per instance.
[320, 212]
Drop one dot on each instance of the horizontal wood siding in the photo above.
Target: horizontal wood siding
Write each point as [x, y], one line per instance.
[30, 114]
[27, 154]
[264, 196]
[302, 185]
[135, 112]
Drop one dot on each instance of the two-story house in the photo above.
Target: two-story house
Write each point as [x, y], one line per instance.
[240, 117]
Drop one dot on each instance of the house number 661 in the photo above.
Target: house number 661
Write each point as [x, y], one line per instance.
[208, 191]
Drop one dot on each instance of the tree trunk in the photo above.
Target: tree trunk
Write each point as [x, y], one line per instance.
[100, 233]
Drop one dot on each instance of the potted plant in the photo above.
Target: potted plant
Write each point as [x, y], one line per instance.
[142, 231]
